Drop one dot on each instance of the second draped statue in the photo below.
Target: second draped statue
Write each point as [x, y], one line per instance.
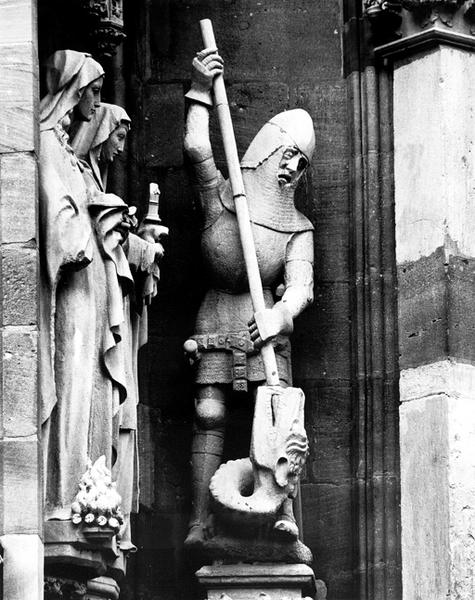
[93, 271]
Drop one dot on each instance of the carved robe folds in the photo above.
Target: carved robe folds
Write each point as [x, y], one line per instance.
[84, 374]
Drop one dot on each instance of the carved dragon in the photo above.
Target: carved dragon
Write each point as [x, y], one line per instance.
[252, 490]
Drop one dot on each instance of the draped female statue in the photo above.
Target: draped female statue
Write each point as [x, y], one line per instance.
[84, 378]
[98, 142]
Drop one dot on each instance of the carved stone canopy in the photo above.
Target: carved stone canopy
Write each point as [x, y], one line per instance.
[404, 26]
[107, 24]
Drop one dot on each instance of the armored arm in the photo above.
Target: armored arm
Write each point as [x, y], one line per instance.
[298, 294]
[198, 145]
[206, 65]
[298, 276]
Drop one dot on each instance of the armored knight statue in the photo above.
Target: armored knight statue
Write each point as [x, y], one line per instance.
[228, 335]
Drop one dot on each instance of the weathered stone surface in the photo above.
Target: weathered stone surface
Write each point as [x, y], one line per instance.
[163, 132]
[21, 486]
[327, 515]
[17, 20]
[19, 383]
[434, 165]
[448, 377]
[19, 283]
[326, 100]
[18, 96]
[18, 180]
[438, 471]
[252, 104]
[256, 37]
[326, 331]
[329, 424]
[329, 213]
[423, 307]
[23, 566]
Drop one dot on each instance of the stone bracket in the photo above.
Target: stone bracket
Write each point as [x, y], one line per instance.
[425, 40]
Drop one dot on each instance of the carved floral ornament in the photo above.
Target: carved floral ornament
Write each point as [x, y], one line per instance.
[395, 19]
[107, 24]
[97, 503]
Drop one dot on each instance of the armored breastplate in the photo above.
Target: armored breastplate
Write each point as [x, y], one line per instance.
[224, 260]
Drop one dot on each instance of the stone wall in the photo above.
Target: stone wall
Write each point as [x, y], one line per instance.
[20, 479]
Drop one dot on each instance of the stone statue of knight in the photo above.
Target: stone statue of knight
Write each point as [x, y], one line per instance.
[228, 333]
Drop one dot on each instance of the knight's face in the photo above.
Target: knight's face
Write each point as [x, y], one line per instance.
[291, 167]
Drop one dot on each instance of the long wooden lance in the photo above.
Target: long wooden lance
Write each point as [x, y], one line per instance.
[240, 203]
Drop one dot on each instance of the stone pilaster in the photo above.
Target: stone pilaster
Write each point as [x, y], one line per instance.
[433, 68]
[375, 450]
[20, 472]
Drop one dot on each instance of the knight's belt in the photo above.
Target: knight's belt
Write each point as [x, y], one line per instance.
[240, 346]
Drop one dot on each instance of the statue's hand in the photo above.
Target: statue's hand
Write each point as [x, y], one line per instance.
[124, 227]
[152, 232]
[270, 322]
[159, 252]
[206, 65]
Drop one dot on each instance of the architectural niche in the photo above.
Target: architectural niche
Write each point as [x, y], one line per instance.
[107, 24]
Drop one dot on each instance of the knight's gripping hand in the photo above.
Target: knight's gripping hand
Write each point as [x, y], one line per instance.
[270, 322]
[206, 65]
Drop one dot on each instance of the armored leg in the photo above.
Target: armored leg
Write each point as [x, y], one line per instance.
[206, 455]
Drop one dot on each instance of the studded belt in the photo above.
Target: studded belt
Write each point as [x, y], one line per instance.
[239, 344]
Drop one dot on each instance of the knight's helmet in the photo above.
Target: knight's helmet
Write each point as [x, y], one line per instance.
[289, 128]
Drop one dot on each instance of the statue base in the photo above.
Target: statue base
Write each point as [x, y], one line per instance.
[234, 550]
[264, 581]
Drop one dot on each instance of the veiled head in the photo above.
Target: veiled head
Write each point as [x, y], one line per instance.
[104, 135]
[68, 74]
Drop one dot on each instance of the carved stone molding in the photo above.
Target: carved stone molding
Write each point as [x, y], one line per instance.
[61, 588]
[107, 24]
[385, 18]
[428, 12]
[408, 26]
[375, 451]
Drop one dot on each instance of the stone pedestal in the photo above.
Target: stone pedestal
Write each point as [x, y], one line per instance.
[265, 581]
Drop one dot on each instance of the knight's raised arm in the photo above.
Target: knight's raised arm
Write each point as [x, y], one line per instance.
[206, 65]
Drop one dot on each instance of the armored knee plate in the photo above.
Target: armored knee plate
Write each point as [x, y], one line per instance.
[210, 413]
